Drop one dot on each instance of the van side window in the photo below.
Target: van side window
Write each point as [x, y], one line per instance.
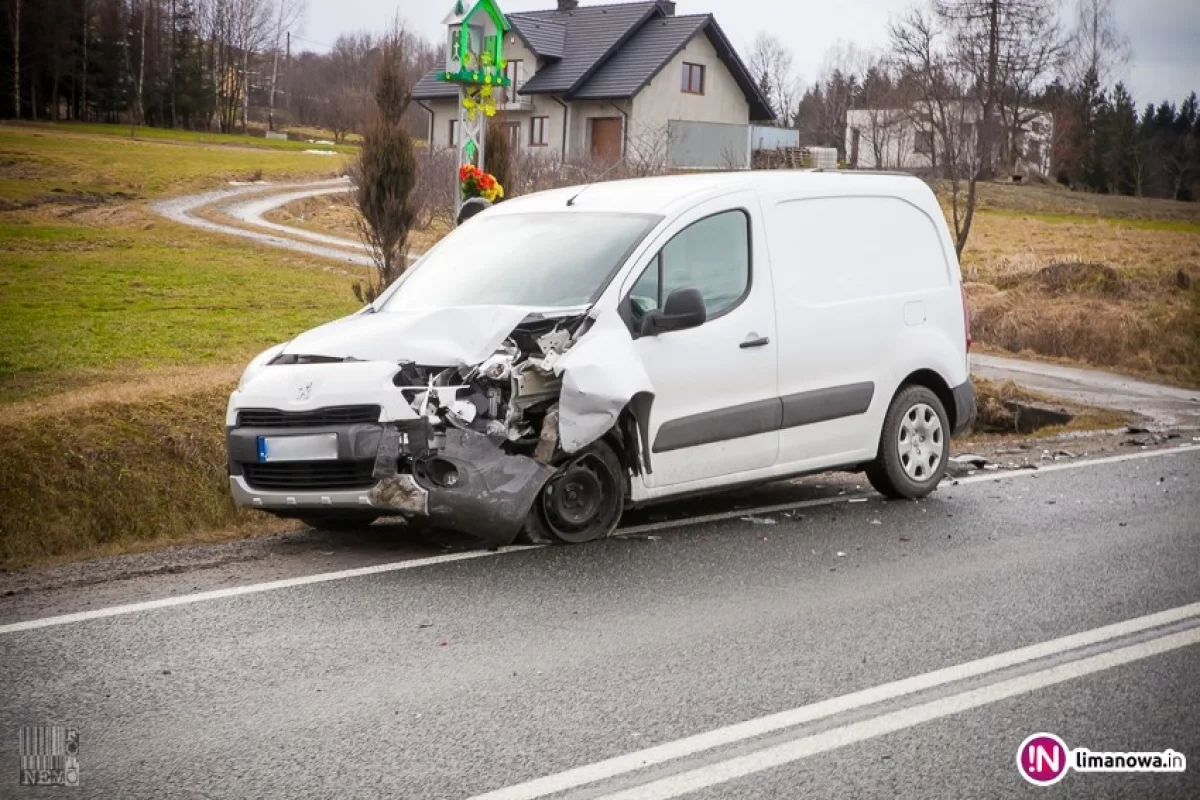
[712, 255]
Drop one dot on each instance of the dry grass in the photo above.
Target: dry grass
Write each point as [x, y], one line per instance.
[77, 478]
[1055, 200]
[1101, 292]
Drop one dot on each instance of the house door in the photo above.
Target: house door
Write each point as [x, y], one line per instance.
[606, 138]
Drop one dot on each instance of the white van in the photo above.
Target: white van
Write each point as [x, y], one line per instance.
[569, 354]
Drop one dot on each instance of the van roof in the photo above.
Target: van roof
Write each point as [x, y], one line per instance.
[659, 195]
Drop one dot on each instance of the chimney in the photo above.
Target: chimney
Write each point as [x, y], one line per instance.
[568, 5]
[667, 6]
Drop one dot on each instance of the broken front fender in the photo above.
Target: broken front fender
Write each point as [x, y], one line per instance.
[601, 375]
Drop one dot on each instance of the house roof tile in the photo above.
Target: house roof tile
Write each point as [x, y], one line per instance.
[608, 52]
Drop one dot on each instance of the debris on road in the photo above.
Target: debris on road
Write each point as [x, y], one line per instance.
[858, 500]
[969, 460]
[759, 520]
[840, 554]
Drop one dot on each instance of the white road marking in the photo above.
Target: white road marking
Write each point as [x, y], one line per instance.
[741, 766]
[254, 588]
[731, 734]
[325, 577]
[1059, 466]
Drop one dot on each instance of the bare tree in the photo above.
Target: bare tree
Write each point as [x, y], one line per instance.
[1033, 50]
[139, 111]
[772, 69]
[287, 14]
[976, 30]
[925, 51]
[1097, 46]
[14, 23]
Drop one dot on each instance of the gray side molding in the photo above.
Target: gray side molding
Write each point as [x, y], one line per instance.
[822, 405]
[762, 416]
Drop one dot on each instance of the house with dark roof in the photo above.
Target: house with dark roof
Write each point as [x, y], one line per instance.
[605, 81]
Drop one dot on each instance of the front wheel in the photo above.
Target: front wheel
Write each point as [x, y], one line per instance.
[913, 446]
[583, 501]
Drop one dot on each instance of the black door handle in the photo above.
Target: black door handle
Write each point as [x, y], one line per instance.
[761, 341]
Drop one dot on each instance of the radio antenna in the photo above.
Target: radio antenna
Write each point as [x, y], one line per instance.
[596, 180]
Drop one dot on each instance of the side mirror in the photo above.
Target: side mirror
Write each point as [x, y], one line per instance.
[684, 309]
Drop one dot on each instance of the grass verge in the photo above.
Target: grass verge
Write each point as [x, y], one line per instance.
[115, 474]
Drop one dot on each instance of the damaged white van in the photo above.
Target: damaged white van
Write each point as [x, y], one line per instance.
[569, 354]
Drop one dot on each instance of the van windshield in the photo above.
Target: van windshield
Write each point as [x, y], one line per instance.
[549, 260]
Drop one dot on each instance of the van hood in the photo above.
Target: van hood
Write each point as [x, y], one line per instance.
[454, 336]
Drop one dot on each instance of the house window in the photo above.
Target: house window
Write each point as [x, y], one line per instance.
[513, 72]
[924, 142]
[454, 142]
[693, 78]
[539, 131]
[513, 129]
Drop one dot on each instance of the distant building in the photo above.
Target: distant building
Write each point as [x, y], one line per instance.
[903, 139]
[594, 81]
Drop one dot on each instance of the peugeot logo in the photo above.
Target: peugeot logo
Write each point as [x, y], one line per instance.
[303, 392]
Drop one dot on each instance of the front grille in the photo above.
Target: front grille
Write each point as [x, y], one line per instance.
[310, 475]
[317, 418]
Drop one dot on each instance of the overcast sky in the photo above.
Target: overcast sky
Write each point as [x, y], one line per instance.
[1165, 34]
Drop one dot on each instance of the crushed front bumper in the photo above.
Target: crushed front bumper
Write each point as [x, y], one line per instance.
[403, 472]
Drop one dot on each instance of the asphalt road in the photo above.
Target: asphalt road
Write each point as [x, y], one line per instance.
[456, 678]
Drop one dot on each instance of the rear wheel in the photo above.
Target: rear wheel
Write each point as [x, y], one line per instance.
[913, 446]
[339, 523]
[583, 501]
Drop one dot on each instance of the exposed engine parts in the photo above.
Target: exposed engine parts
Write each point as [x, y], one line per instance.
[511, 397]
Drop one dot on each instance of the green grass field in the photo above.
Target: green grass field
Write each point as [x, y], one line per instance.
[76, 299]
[69, 164]
[122, 334]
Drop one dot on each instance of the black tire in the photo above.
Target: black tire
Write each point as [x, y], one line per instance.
[339, 523]
[584, 500]
[914, 470]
